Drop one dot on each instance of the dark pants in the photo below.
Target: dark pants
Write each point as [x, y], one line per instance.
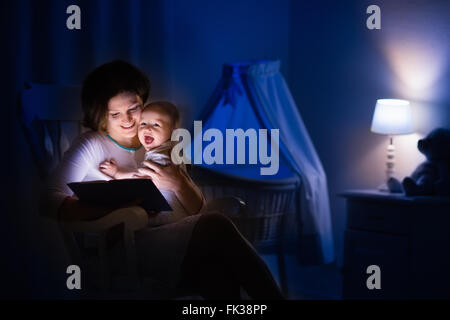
[219, 261]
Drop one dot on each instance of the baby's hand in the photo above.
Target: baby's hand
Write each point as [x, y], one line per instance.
[109, 168]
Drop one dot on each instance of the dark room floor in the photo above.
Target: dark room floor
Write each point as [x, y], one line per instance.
[308, 282]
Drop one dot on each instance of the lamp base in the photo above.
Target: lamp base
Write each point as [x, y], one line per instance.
[394, 188]
[383, 188]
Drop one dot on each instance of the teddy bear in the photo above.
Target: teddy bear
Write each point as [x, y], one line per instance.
[431, 177]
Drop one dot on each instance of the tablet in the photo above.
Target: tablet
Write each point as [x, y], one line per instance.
[116, 193]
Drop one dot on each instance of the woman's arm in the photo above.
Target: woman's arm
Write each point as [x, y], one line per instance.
[56, 200]
[190, 195]
[172, 178]
[73, 210]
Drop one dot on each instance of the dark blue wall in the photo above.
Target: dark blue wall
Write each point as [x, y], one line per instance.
[203, 35]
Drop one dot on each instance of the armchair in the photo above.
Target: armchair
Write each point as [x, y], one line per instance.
[49, 130]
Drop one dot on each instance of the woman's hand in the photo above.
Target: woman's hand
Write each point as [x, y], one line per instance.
[172, 178]
[72, 209]
[164, 177]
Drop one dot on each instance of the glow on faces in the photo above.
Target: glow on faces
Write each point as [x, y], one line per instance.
[124, 111]
[155, 127]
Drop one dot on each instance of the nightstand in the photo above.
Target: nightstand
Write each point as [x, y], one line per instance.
[407, 237]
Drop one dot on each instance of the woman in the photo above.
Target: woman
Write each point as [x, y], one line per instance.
[194, 255]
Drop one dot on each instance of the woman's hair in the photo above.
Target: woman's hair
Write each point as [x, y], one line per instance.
[169, 108]
[104, 83]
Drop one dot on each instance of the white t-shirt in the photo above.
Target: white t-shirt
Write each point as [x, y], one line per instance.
[81, 163]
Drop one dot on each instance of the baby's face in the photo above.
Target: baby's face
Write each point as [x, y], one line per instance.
[155, 128]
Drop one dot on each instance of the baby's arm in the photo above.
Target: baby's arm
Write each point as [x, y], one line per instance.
[110, 169]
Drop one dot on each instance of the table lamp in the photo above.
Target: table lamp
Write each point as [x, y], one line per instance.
[391, 117]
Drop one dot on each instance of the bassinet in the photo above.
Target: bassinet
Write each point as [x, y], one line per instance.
[268, 202]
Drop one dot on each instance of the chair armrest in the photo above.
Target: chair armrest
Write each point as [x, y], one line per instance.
[229, 206]
[134, 218]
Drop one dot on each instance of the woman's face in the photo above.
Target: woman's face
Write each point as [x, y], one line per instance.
[124, 111]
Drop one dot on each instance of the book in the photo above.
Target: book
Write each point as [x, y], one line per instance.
[116, 193]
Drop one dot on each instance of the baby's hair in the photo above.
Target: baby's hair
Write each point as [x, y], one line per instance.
[169, 108]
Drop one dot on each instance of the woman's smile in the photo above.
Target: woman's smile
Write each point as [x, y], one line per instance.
[128, 126]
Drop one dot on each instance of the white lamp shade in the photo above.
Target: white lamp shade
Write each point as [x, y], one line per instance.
[392, 117]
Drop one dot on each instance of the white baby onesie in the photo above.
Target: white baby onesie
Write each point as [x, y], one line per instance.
[160, 154]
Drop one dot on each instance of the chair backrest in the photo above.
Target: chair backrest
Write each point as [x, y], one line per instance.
[50, 116]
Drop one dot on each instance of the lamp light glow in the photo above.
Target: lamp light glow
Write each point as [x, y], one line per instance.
[392, 117]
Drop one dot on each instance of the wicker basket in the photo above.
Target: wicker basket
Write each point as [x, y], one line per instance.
[267, 202]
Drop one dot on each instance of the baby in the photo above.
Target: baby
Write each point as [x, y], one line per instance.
[158, 120]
